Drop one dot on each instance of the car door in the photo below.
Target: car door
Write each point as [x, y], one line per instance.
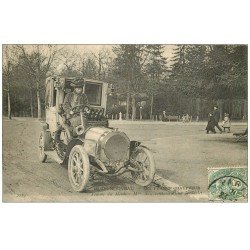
[50, 105]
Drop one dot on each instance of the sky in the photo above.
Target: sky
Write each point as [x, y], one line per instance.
[168, 53]
[81, 49]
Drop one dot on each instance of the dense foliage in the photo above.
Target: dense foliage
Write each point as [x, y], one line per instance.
[192, 79]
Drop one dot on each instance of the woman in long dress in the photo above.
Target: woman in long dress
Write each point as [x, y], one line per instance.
[211, 124]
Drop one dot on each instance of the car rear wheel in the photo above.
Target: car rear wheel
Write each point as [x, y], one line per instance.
[41, 145]
[78, 168]
[142, 160]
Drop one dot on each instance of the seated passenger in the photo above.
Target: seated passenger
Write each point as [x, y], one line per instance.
[226, 122]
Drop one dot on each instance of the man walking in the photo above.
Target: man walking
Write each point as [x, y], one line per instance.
[216, 115]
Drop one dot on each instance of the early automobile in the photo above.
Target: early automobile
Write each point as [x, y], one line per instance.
[96, 147]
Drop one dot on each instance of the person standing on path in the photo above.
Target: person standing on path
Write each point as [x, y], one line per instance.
[210, 124]
[216, 115]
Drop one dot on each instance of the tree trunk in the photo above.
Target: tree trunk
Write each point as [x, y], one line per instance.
[198, 102]
[151, 107]
[220, 107]
[99, 70]
[9, 106]
[231, 107]
[39, 111]
[133, 108]
[127, 106]
[245, 109]
[31, 105]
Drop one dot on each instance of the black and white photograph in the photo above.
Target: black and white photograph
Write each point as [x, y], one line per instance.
[125, 123]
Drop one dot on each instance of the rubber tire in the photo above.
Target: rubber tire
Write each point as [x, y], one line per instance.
[149, 154]
[86, 168]
[42, 156]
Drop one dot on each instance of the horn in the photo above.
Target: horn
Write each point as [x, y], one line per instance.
[80, 129]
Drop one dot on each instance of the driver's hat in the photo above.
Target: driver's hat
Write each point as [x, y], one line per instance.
[77, 83]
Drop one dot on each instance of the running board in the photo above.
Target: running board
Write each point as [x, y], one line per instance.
[54, 156]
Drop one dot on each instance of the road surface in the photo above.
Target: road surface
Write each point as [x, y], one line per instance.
[182, 152]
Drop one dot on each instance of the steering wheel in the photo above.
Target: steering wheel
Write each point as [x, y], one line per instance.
[85, 109]
[76, 107]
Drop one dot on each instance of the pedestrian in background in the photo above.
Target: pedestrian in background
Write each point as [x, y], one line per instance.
[226, 122]
[210, 124]
[216, 115]
[164, 116]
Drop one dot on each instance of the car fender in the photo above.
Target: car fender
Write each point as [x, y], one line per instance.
[47, 135]
[72, 143]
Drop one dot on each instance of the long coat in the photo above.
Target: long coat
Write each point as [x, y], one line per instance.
[210, 124]
[216, 115]
[72, 100]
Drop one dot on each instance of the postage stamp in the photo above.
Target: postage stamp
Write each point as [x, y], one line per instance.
[227, 184]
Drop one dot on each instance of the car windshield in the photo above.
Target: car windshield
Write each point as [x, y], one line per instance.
[94, 93]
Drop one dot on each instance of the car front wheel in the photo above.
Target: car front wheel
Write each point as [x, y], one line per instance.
[78, 168]
[143, 161]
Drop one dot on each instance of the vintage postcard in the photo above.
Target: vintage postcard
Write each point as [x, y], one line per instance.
[125, 123]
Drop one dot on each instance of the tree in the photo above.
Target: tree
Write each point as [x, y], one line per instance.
[128, 66]
[24, 87]
[103, 61]
[89, 68]
[155, 68]
[188, 73]
[227, 71]
[8, 64]
[70, 62]
[38, 63]
[211, 71]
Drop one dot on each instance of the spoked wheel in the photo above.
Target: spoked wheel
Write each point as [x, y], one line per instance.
[60, 148]
[78, 168]
[41, 144]
[142, 159]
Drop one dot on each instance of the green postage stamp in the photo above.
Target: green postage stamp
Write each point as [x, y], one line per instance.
[227, 184]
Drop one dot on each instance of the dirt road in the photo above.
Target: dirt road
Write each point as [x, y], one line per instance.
[182, 154]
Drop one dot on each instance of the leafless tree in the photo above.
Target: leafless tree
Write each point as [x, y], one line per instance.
[70, 61]
[8, 62]
[103, 59]
[39, 61]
